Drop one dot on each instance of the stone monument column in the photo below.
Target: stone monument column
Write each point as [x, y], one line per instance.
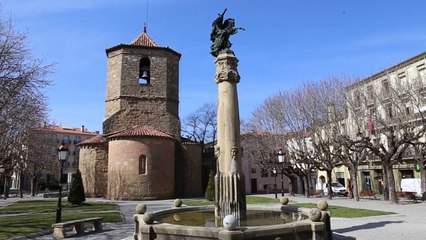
[229, 180]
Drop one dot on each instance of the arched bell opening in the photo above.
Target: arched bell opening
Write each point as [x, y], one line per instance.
[144, 71]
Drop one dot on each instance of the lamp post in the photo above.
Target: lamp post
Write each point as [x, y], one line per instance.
[281, 159]
[2, 170]
[274, 171]
[62, 156]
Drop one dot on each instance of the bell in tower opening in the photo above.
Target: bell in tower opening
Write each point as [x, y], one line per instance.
[144, 71]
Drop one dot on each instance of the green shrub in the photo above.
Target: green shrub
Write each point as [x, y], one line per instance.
[210, 187]
[76, 194]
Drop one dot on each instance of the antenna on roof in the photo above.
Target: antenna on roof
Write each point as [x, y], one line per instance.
[146, 18]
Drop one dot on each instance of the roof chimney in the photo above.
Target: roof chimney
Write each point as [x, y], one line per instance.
[82, 128]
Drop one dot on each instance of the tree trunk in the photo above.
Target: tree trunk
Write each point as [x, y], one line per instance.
[33, 186]
[330, 189]
[423, 178]
[385, 183]
[6, 187]
[391, 183]
[290, 186]
[21, 185]
[354, 182]
[306, 186]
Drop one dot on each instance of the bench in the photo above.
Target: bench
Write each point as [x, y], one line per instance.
[59, 229]
[367, 193]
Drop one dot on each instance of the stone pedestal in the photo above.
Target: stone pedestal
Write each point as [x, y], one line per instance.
[229, 180]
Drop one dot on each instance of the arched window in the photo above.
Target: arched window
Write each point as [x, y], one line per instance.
[144, 71]
[142, 164]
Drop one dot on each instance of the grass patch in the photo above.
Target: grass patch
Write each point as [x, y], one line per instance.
[43, 215]
[336, 211]
[345, 212]
[257, 200]
[41, 206]
[27, 224]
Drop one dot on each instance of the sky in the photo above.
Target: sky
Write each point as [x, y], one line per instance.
[286, 43]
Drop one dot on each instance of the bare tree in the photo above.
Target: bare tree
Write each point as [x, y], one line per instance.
[323, 108]
[201, 125]
[390, 118]
[22, 103]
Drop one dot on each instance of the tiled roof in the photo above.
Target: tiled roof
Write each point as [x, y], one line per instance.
[141, 131]
[144, 40]
[99, 139]
[187, 141]
[66, 130]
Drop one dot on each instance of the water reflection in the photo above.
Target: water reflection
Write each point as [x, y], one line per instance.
[206, 218]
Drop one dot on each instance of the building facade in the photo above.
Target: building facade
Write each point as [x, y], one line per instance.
[48, 139]
[141, 154]
[394, 98]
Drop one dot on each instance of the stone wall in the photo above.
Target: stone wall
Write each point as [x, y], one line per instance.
[129, 103]
[124, 180]
[192, 158]
[94, 169]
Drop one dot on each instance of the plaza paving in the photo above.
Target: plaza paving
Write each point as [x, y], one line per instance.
[408, 222]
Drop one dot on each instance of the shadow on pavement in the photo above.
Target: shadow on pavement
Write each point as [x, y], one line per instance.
[341, 237]
[365, 226]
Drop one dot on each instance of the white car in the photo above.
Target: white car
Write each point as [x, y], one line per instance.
[338, 189]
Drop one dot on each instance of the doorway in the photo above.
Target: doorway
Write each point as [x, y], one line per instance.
[253, 186]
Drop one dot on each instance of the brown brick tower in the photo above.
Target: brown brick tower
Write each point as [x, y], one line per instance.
[142, 87]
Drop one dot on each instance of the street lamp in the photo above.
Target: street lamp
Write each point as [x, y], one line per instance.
[281, 160]
[274, 171]
[62, 156]
[2, 170]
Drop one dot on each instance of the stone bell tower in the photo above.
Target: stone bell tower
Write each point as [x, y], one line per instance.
[142, 87]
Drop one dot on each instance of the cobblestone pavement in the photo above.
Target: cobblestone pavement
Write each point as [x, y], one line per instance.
[408, 222]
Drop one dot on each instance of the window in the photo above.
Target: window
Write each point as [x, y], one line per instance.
[402, 75]
[421, 68]
[264, 174]
[385, 88]
[253, 170]
[372, 111]
[66, 139]
[144, 71]
[142, 164]
[357, 99]
[389, 111]
[55, 139]
[370, 95]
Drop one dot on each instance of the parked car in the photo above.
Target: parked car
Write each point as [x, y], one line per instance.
[337, 188]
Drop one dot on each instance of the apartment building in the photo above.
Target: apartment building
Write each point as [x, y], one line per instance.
[51, 137]
[393, 98]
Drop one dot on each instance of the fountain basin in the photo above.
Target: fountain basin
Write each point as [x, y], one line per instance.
[303, 227]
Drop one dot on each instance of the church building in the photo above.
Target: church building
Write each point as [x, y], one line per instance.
[140, 154]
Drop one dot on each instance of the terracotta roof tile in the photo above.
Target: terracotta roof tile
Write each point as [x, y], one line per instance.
[144, 40]
[66, 130]
[187, 141]
[94, 140]
[141, 131]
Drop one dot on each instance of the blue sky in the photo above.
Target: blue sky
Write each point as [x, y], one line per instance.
[285, 44]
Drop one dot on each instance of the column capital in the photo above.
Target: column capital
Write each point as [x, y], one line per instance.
[226, 68]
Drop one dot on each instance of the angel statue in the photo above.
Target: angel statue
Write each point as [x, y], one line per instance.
[221, 31]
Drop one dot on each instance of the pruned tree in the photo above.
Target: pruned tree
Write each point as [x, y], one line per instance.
[265, 133]
[390, 117]
[323, 108]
